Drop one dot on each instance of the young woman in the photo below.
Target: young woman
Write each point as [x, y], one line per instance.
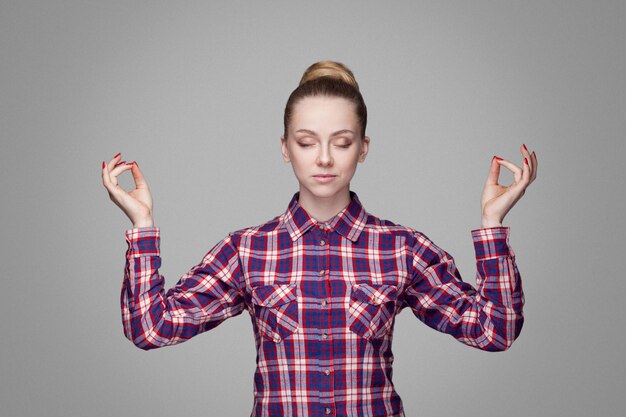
[324, 280]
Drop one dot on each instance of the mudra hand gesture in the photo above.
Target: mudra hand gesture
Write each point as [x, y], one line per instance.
[137, 204]
[497, 200]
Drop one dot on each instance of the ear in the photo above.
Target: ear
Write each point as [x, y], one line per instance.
[364, 148]
[283, 148]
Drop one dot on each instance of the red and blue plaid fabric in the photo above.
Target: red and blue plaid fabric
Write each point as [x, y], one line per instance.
[322, 298]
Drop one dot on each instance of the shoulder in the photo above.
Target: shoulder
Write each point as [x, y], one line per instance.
[271, 226]
[416, 240]
[378, 225]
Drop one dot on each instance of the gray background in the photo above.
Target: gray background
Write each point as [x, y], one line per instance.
[195, 91]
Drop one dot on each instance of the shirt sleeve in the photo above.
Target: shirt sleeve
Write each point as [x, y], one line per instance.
[204, 297]
[489, 317]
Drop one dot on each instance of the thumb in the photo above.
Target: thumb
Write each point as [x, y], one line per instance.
[494, 172]
[140, 181]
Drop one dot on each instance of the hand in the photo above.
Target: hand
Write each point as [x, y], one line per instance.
[137, 204]
[497, 200]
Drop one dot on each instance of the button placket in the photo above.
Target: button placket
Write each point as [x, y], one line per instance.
[325, 348]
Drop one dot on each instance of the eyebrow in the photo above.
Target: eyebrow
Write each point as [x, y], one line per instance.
[339, 132]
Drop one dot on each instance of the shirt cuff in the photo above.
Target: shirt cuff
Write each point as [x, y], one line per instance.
[143, 241]
[492, 242]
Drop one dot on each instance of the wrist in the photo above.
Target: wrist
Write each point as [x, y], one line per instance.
[143, 223]
[491, 223]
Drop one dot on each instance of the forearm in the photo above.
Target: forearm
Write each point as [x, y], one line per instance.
[199, 301]
[488, 317]
[144, 314]
[499, 284]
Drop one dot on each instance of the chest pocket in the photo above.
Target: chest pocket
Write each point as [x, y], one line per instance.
[276, 310]
[372, 309]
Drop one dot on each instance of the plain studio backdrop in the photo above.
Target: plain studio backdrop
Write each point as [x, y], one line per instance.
[195, 92]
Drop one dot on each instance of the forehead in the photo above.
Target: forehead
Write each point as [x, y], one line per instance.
[321, 113]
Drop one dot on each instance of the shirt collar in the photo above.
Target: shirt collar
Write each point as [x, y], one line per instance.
[349, 222]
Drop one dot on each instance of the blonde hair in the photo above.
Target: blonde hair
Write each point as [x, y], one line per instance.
[329, 69]
[331, 79]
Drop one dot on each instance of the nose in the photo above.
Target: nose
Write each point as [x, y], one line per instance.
[324, 157]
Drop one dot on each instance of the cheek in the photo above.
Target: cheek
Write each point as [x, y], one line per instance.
[350, 159]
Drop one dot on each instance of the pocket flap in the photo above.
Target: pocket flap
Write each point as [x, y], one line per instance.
[375, 294]
[274, 294]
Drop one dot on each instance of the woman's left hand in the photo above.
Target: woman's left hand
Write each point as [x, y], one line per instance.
[497, 200]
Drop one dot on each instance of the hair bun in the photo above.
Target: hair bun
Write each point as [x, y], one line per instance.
[331, 69]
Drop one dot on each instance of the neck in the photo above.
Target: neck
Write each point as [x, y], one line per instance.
[324, 208]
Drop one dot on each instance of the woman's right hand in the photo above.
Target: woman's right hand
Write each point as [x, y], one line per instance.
[137, 204]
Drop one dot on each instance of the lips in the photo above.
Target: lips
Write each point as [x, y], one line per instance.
[324, 175]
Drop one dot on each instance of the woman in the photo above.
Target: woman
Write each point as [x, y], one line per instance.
[323, 281]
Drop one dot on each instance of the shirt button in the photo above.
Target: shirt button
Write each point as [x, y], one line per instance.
[322, 243]
[324, 335]
[322, 272]
[277, 338]
[328, 410]
[324, 303]
[326, 372]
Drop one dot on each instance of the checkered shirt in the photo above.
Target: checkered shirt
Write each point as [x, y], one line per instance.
[322, 297]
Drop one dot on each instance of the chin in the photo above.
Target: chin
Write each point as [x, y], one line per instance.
[324, 191]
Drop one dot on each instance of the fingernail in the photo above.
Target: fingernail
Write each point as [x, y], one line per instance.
[118, 154]
[103, 164]
[526, 161]
[499, 159]
[130, 163]
[524, 147]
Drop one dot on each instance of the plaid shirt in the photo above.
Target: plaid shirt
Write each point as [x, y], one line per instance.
[322, 298]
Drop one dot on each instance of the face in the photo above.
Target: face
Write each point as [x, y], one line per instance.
[324, 145]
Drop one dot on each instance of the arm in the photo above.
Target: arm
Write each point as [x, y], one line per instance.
[488, 317]
[204, 297]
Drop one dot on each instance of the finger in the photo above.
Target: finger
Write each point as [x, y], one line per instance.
[526, 173]
[140, 181]
[106, 178]
[119, 168]
[114, 172]
[494, 172]
[109, 177]
[517, 171]
[526, 154]
[114, 160]
[533, 157]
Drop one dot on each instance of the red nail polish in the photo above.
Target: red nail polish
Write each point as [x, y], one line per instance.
[130, 163]
[524, 147]
[526, 161]
[103, 164]
[118, 154]
[499, 159]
